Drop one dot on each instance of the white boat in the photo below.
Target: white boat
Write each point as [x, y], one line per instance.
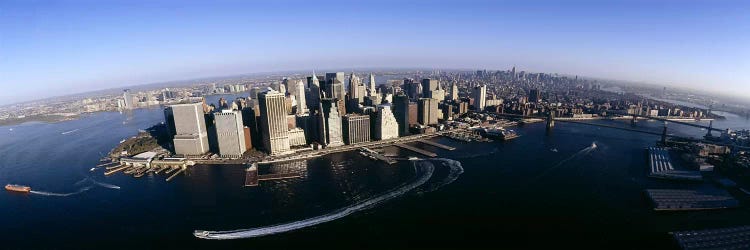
[92, 169]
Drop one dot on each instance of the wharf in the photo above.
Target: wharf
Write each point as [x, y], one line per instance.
[684, 199]
[720, 238]
[432, 143]
[115, 170]
[421, 151]
[268, 177]
[660, 166]
[175, 174]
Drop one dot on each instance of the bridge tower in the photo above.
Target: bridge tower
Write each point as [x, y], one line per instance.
[633, 121]
[710, 127]
[664, 134]
[551, 119]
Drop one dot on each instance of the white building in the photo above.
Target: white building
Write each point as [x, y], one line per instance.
[386, 126]
[230, 133]
[273, 122]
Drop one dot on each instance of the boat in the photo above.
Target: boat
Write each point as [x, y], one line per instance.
[500, 133]
[92, 169]
[17, 188]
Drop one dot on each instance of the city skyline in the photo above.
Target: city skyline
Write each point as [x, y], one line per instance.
[118, 44]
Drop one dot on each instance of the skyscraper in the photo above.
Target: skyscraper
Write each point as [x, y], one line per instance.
[191, 137]
[128, 98]
[335, 85]
[356, 128]
[371, 88]
[332, 124]
[428, 85]
[480, 97]
[428, 111]
[313, 92]
[273, 122]
[534, 95]
[386, 126]
[230, 133]
[401, 112]
[454, 92]
[356, 89]
[299, 92]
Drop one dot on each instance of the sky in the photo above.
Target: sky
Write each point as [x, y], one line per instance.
[52, 48]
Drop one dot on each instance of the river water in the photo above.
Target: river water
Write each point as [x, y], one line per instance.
[542, 189]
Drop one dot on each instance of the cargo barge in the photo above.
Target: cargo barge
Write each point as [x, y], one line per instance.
[17, 188]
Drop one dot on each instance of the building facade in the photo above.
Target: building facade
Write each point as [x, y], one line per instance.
[191, 136]
[273, 123]
[386, 126]
[230, 133]
[356, 128]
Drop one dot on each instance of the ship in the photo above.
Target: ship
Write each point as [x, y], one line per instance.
[17, 188]
[501, 133]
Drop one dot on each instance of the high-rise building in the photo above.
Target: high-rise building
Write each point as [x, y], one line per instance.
[230, 133]
[191, 136]
[273, 122]
[356, 89]
[332, 123]
[169, 121]
[335, 85]
[386, 126]
[454, 92]
[534, 96]
[371, 84]
[428, 111]
[480, 97]
[437, 94]
[297, 137]
[128, 98]
[313, 92]
[356, 128]
[428, 85]
[413, 114]
[299, 92]
[401, 112]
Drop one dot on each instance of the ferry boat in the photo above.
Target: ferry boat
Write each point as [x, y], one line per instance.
[501, 134]
[17, 188]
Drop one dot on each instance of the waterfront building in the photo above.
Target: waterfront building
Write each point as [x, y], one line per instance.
[356, 128]
[480, 97]
[413, 114]
[297, 137]
[230, 133]
[128, 99]
[427, 111]
[401, 112]
[191, 136]
[169, 122]
[273, 123]
[386, 126]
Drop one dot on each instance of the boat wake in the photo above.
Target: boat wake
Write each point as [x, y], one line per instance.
[68, 132]
[582, 152]
[81, 190]
[101, 184]
[424, 169]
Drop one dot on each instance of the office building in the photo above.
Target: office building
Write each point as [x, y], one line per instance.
[371, 84]
[428, 85]
[454, 92]
[128, 99]
[334, 87]
[273, 123]
[230, 133]
[401, 112]
[191, 136]
[428, 111]
[356, 128]
[480, 96]
[413, 114]
[297, 137]
[386, 126]
[299, 93]
[534, 96]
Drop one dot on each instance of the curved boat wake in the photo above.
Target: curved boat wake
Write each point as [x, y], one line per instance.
[68, 132]
[424, 169]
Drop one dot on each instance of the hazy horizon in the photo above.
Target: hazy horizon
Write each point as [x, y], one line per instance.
[60, 48]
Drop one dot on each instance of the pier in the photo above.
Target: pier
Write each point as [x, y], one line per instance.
[182, 169]
[432, 143]
[115, 170]
[685, 199]
[660, 166]
[269, 177]
[720, 238]
[421, 151]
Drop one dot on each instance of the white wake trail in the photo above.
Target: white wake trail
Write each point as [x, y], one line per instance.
[455, 170]
[426, 170]
[83, 189]
[68, 132]
[584, 151]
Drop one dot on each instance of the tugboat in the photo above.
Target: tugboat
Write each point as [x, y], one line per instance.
[17, 188]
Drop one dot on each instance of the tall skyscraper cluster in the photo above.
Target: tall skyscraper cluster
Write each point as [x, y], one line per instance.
[320, 111]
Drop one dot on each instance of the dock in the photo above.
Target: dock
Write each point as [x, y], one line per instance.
[432, 143]
[720, 238]
[421, 151]
[660, 166]
[685, 199]
[269, 177]
[175, 174]
[251, 176]
[115, 170]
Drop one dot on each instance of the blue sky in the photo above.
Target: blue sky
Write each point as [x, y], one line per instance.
[50, 48]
